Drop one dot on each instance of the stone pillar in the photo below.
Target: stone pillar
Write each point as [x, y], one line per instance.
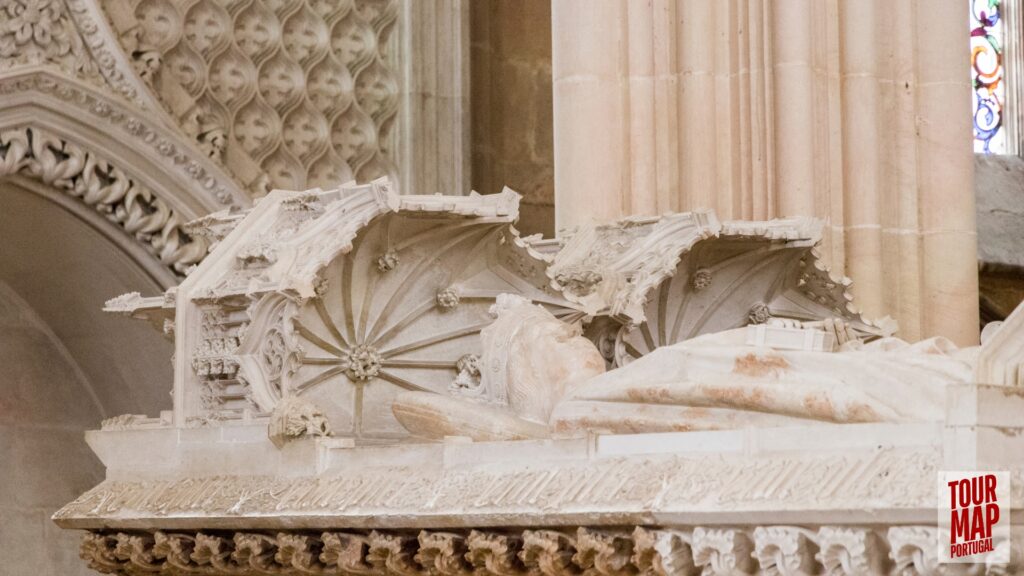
[590, 85]
[759, 110]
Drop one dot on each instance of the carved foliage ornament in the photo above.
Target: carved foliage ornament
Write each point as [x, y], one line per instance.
[39, 31]
[104, 186]
[763, 550]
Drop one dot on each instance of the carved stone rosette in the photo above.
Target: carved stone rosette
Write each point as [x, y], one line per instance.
[712, 551]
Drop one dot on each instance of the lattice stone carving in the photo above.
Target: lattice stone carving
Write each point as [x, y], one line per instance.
[304, 91]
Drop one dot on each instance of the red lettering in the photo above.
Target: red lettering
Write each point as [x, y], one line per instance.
[990, 488]
[952, 494]
[991, 517]
[977, 490]
[977, 523]
[959, 524]
[965, 493]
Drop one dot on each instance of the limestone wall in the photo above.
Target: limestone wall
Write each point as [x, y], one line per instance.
[512, 143]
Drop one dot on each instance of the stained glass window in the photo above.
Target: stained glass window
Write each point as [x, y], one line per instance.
[988, 76]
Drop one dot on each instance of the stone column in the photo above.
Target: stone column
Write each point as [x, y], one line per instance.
[590, 84]
[849, 111]
[945, 167]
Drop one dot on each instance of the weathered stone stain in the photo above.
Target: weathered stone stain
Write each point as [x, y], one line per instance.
[760, 366]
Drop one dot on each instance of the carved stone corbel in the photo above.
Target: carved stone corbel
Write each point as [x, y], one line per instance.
[214, 551]
[98, 552]
[137, 549]
[299, 551]
[394, 553]
[175, 549]
[723, 552]
[550, 552]
[443, 553]
[347, 553]
[606, 552]
[495, 553]
[663, 553]
[255, 551]
[851, 551]
[785, 550]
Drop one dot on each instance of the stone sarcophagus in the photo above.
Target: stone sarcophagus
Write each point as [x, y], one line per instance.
[368, 383]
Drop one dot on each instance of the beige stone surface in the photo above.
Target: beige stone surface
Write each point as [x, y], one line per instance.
[720, 381]
[319, 316]
[511, 105]
[530, 361]
[47, 404]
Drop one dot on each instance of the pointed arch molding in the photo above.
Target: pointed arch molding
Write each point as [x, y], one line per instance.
[111, 157]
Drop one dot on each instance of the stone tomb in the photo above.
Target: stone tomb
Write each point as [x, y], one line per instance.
[318, 313]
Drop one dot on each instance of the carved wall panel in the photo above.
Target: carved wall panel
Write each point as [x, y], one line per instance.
[403, 311]
[37, 31]
[736, 279]
[113, 158]
[288, 93]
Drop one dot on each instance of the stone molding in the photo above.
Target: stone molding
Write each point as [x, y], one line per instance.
[74, 36]
[83, 101]
[620, 490]
[555, 551]
[42, 32]
[110, 60]
[104, 187]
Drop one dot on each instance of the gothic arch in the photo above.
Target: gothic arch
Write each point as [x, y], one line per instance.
[142, 176]
[94, 197]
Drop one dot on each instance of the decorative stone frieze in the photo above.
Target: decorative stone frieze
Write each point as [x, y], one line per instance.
[370, 305]
[619, 489]
[552, 552]
[113, 64]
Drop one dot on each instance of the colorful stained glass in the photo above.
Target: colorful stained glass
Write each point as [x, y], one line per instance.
[987, 74]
